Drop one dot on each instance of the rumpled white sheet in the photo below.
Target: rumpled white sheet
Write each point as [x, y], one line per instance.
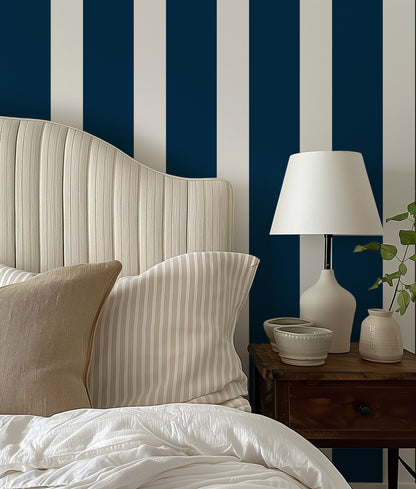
[181, 446]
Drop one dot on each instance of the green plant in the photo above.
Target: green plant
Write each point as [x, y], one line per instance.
[405, 292]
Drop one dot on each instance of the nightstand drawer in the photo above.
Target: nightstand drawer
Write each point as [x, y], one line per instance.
[352, 406]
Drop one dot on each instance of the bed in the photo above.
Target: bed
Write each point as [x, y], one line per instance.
[119, 295]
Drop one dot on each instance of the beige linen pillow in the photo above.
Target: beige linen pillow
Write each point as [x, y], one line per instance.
[46, 326]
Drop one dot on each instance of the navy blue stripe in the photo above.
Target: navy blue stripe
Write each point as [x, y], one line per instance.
[274, 136]
[357, 126]
[109, 71]
[25, 81]
[191, 88]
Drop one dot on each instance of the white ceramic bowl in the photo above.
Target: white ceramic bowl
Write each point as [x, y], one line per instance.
[270, 324]
[303, 345]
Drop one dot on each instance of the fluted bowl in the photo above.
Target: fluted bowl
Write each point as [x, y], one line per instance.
[270, 324]
[302, 344]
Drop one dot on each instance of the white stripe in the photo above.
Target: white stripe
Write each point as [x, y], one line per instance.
[398, 135]
[315, 114]
[169, 334]
[129, 376]
[315, 75]
[153, 331]
[145, 364]
[315, 109]
[233, 128]
[159, 312]
[67, 62]
[210, 320]
[137, 347]
[408, 455]
[178, 263]
[204, 379]
[150, 83]
[112, 364]
[118, 312]
[197, 339]
[216, 316]
[223, 322]
[399, 148]
[232, 299]
[187, 331]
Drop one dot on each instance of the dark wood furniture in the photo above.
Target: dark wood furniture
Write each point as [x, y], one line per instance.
[347, 402]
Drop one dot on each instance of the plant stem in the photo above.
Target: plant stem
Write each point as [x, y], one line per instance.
[394, 295]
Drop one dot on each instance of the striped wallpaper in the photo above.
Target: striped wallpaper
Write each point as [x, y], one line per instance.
[232, 88]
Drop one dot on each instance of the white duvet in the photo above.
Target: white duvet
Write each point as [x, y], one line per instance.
[181, 446]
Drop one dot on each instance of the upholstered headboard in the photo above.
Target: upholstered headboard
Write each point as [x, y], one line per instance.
[67, 197]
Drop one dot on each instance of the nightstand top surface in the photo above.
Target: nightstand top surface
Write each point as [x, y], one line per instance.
[338, 366]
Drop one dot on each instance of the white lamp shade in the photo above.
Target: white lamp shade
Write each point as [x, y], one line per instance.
[326, 192]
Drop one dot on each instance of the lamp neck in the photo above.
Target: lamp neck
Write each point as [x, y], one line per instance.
[328, 252]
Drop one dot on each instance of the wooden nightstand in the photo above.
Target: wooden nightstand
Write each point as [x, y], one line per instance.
[348, 402]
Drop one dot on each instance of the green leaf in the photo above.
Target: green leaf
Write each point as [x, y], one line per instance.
[374, 246]
[390, 277]
[402, 269]
[376, 284]
[403, 299]
[412, 208]
[413, 257]
[399, 217]
[407, 237]
[412, 289]
[359, 248]
[388, 252]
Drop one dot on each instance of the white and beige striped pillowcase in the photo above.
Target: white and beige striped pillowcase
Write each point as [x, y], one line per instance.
[9, 275]
[167, 335]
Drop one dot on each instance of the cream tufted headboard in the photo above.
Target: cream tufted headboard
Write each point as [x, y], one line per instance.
[67, 197]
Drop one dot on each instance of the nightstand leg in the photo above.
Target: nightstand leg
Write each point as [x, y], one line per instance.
[393, 467]
[256, 389]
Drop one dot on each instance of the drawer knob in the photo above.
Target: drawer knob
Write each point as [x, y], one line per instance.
[364, 410]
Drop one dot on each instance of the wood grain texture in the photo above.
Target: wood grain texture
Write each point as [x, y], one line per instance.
[342, 366]
[346, 405]
[347, 402]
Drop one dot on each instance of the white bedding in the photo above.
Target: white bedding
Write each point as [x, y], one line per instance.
[171, 446]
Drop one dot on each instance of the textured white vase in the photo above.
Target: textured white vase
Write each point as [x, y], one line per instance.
[330, 306]
[380, 337]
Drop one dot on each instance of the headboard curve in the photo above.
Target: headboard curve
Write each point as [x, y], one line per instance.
[67, 197]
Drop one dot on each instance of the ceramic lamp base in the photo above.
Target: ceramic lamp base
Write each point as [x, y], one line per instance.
[330, 306]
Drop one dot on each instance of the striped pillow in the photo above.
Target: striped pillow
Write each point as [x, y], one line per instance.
[9, 275]
[167, 335]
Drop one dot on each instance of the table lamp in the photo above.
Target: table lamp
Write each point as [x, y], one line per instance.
[327, 192]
